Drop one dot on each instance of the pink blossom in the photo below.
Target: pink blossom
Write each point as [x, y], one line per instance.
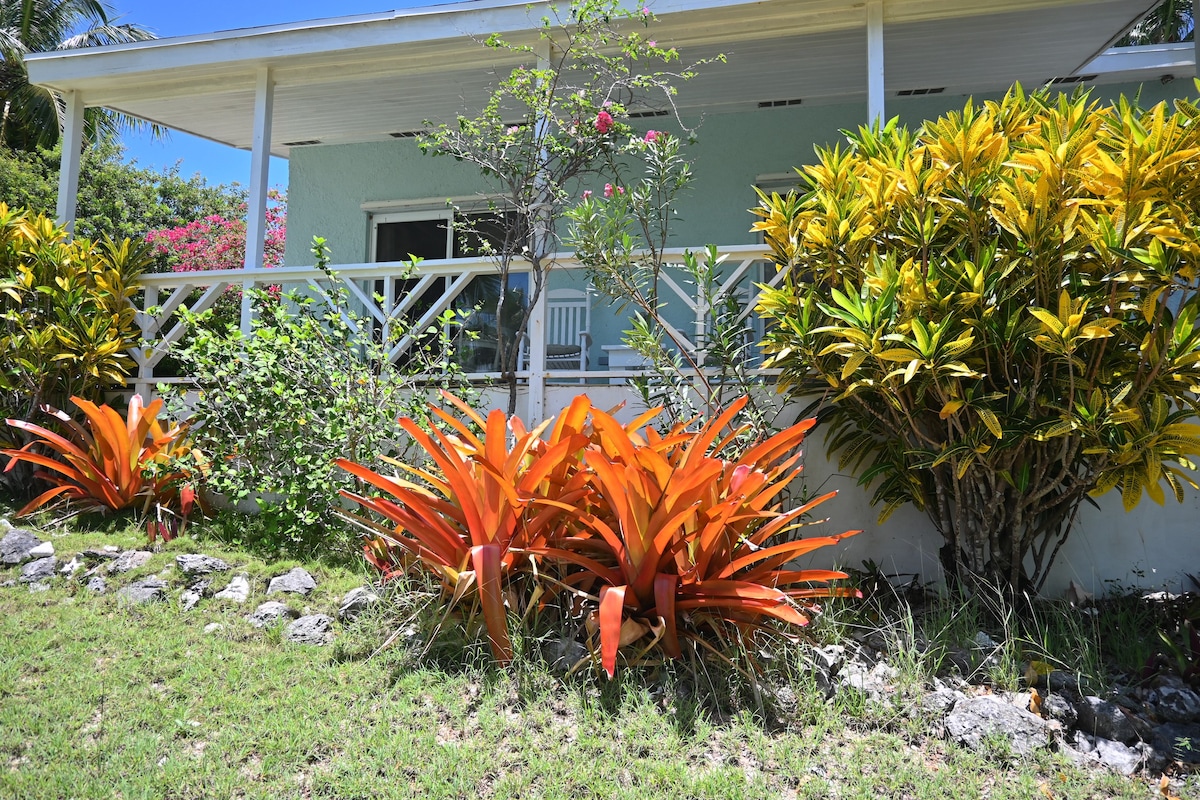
[513, 130]
[645, 12]
[604, 122]
[620, 190]
[608, 190]
[652, 43]
[587, 194]
[652, 136]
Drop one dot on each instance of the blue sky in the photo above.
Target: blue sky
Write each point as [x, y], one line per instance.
[219, 164]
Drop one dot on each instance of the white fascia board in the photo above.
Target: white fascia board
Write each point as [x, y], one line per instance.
[1148, 57]
[66, 69]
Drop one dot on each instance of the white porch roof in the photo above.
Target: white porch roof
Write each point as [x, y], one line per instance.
[371, 77]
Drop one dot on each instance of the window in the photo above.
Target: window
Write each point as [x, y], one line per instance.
[434, 235]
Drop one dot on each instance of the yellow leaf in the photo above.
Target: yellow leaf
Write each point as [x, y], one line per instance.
[991, 421]
[950, 407]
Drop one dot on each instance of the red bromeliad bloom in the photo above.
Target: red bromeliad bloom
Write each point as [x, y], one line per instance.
[604, 122]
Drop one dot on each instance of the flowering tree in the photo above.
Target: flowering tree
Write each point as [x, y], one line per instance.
[549, 122]
[218, 242]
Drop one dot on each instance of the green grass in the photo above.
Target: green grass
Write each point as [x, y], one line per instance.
[101, 700]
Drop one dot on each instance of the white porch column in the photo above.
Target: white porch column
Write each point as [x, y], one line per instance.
[875, 71]
[72, 154]
[536, 329]
[260, 162]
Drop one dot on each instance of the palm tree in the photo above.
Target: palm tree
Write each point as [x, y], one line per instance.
[1169, 22]
[29, 115]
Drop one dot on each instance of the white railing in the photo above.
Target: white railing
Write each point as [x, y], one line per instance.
[166, 294]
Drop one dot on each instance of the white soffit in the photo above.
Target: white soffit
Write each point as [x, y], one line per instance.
[366, 77]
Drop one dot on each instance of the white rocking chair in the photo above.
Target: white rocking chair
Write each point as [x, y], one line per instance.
[568, 318]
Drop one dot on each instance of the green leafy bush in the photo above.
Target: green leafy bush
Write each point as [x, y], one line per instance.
[999, 310]
[309, 383]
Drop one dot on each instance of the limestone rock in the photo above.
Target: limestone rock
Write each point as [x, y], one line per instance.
[41, 570]
[316, 629]
[270, 613]
[16, 547]
[214, 627]
[1059, 708]
[129, 560]
[297, 581]
[195, 565]
[43, 550]
[1105, 719]
[355, 602]
[71, 567]
[97, 584]
[1114, 755]
[238, 590]
[1180, 705]
[189, 599]
[1181, 741]
[148, 590]
[975, 720]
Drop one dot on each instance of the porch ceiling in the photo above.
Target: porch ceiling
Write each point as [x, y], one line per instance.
[367, 77]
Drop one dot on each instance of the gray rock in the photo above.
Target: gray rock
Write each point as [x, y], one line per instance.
[1114, 755]
[1059, 708]
[297, 581]
[314, 629]
[874, 682]
[976, 720]
[238, 590]
[71, 567]
[355, 602]
[93, 554]
[97, 584]
[7, 584]
[41, 570]
[16, 546]
[43, 550]
[189, 599]
[1104, 719]
[149, 590]
[39, 586]
[270, 613]
[129, 560]
[939, 702]
[194, 565]
[1182, 742]
[1176, 705]
[214, 627]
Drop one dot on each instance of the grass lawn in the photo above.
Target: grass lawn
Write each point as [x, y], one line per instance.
[103, 700]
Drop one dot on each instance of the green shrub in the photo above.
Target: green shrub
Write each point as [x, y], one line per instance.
[308, 384]
[1000, 309]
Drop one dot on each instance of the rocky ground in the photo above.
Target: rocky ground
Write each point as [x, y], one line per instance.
[1146, 729]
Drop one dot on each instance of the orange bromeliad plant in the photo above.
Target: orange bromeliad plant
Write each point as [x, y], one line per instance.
[688, 536]
[676, 538]
[471, 521]
[112, 463]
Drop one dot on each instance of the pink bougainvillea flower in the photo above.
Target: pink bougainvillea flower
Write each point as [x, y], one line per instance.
[652, 136]
[652, 43]
[587, 194]
[604, 122]
[608, 190]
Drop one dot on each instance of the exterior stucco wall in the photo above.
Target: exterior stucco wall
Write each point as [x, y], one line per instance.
[1154, 546]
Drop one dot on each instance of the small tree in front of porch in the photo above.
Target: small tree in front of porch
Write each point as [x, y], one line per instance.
[553, 119]
[999, 312]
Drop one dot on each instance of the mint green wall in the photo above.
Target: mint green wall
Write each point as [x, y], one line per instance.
[329, 183]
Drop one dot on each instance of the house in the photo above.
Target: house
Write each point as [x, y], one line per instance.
[341, 98]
